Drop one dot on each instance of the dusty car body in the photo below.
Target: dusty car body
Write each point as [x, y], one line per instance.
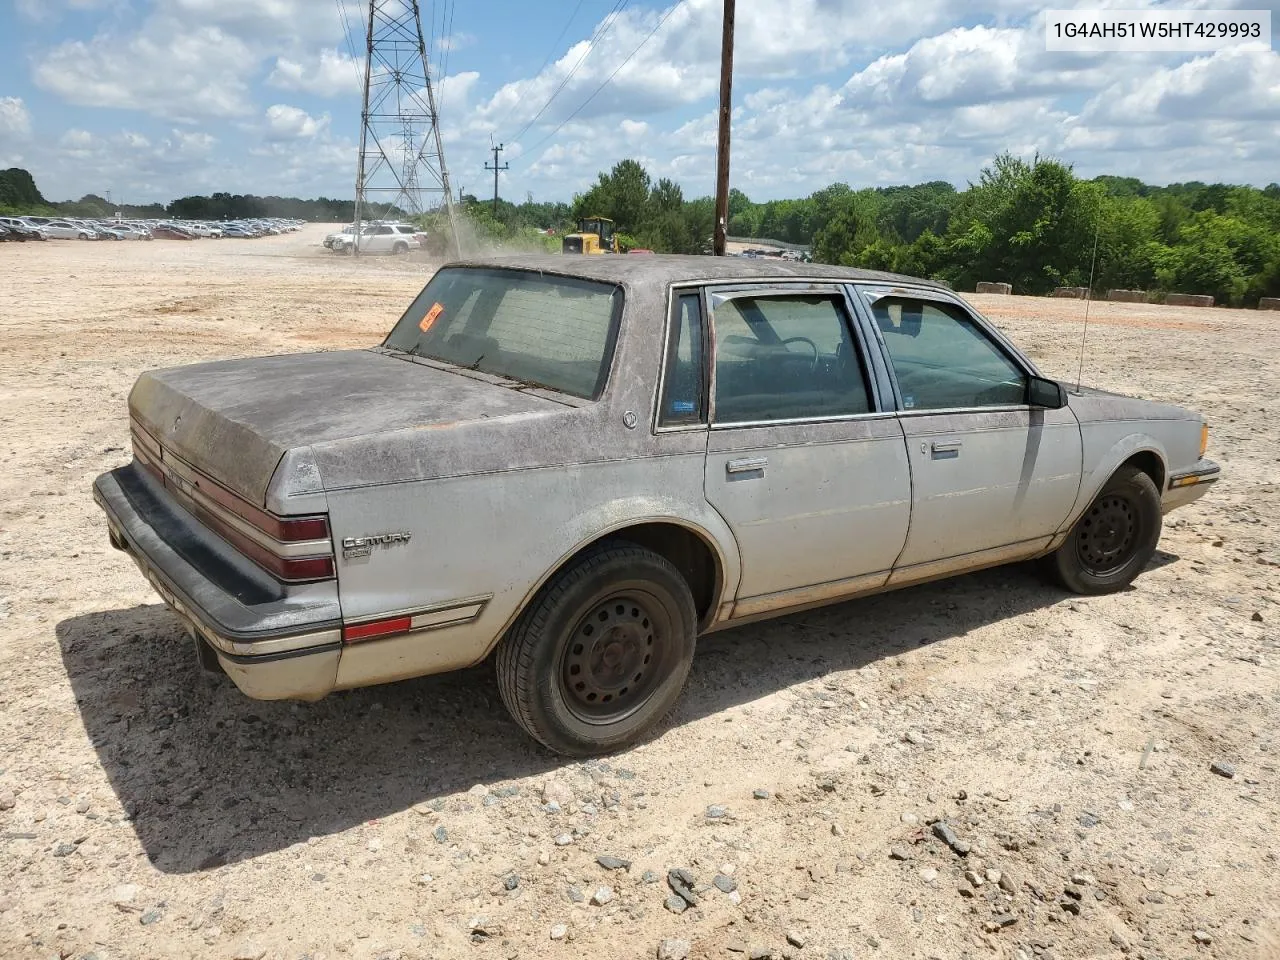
[584, 463]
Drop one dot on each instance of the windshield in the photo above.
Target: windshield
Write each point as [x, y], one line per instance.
[547, 331]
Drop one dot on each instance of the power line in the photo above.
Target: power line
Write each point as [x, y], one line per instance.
[605, 26]
[346, 32]
[446, 42]
[554, 47]
[582, 106]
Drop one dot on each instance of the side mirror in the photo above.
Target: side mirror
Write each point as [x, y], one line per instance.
[1048, 394]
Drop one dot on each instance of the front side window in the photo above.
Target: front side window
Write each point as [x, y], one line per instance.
[943, 359]
[682, 384]
[538, 329]
[784, 358]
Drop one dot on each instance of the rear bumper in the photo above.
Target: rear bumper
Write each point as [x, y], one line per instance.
[1187, 486]
[275, 642]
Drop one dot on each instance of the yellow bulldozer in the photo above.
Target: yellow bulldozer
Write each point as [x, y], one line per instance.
[595, 235]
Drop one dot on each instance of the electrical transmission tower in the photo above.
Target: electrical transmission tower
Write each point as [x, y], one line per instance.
[401, 163]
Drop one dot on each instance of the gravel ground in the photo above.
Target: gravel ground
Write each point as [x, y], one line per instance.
[983, 767]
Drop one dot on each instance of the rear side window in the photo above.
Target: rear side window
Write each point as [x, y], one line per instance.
[538, 329]
[682, 392]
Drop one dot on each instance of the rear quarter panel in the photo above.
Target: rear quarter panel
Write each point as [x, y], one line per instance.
[497, 536]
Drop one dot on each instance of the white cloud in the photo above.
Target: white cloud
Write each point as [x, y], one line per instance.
[299, 19]
[1234, 83]
[15, 120]
[329, 73]
[633, 131]
[43, 11]
[293, 123]
[188, 144]
[170, 72]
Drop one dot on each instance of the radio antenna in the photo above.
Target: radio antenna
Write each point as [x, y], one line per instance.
[1088, 294]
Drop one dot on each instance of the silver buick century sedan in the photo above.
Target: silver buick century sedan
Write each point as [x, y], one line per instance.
[577, 465]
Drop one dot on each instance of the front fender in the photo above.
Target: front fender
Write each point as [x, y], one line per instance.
[1103, 455]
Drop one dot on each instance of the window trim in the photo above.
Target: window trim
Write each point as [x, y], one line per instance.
[669, 347]
[674, 292]
[869, 294]
[835, 290]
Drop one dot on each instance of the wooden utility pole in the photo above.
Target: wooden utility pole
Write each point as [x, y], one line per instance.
[495, 168]
[722, 149]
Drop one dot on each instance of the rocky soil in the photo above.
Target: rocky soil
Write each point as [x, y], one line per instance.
[984, 767]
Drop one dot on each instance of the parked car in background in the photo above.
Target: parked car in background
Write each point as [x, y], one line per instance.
[204, 230]
[64, 230]
[9, 234]
[171, 231]
[381, 238]
[24, 230]
[132, 231]
[620, 454]
[344, 234]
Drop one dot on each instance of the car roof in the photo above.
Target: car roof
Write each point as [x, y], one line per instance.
[663, 269]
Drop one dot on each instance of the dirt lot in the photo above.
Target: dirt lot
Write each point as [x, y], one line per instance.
[150, 811]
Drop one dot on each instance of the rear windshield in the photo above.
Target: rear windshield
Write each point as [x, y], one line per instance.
[546, 331]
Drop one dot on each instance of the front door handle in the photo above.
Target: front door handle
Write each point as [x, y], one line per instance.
[945, 449]
[747, 465]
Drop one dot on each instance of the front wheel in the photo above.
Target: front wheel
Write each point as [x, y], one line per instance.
[1115, 538]
[601, 654]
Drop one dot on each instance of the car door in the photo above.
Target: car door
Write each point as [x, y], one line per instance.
[992, 477]
[804, 463]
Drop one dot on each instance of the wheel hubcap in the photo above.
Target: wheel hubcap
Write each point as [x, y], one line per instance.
[613, 659]
[1107, 535]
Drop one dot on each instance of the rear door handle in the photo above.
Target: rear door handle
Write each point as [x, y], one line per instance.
[946, 448]
[747, 465]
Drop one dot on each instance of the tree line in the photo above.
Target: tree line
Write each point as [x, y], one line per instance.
[20, 195]
[1031, 223]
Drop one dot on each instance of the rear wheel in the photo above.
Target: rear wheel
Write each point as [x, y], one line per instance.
[1115, 538]
[400, 247]
[601, 654]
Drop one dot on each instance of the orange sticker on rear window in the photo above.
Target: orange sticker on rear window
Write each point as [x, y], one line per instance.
[431, 316]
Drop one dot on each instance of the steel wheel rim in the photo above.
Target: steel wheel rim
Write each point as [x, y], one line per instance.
[616, 656]
[1108, 535]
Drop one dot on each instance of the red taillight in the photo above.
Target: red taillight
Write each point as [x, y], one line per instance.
[307, 568]
[304, 528]
[293, 530]
[201, 494]
[378, 628]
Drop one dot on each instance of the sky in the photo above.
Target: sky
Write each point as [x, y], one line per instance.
[150, 100]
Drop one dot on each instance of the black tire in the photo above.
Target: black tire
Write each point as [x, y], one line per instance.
[400, 248]
[600, 656]
[1114, 539]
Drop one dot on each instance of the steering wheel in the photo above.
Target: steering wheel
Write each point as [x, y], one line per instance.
[812, 346]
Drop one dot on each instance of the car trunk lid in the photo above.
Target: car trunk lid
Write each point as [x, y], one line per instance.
[233, 420]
